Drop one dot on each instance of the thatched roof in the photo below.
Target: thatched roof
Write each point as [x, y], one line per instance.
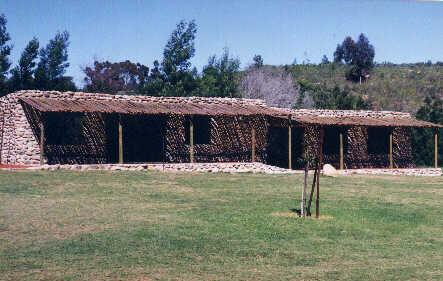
[124, 104]
[51, 101]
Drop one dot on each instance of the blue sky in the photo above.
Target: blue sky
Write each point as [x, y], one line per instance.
[401, 31]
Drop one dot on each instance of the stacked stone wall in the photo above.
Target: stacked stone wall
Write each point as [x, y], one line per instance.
[19, 144]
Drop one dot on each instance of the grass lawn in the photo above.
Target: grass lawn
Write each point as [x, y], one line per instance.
[152, 226]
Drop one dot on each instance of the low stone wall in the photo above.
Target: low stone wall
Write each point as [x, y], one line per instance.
[237, 167]
[426, 172]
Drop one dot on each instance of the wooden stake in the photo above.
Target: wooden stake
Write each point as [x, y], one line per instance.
[311, 195]
[42, 142]
[290, 145]
[303, 194]
[391, 159]
[436, 148]
[253, 144]
[191, 140]
[319, 167]
[120, 140]
[342, 166]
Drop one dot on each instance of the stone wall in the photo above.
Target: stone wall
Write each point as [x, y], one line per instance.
[18, 143]
[254, 167]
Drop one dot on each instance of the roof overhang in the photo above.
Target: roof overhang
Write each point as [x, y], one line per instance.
[148, 108]
[50, 104]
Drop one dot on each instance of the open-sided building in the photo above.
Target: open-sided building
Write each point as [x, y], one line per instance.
[39, 127]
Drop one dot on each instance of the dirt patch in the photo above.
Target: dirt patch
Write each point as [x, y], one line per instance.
[290, 214]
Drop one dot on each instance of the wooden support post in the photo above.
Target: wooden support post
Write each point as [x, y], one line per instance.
[436, 148]
[303, 193]
[320, 166]
[311, 195]
[120, 140]
[42, 142]
[290, 145]
[391, 159]
[342, 162]
[191, 139]
[253, 144]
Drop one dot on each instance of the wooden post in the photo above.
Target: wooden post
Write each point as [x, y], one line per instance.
[120, 140]
[436, 148]
[290, 145]
[253, 144]
[391, 159]
[42, 142]
[320, 165]
[191, 139]
[303, 193]
[342, 164]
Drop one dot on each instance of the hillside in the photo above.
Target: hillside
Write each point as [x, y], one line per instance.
[390, 87]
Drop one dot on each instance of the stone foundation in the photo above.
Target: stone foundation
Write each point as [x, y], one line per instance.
[425, 172]
[236, 167]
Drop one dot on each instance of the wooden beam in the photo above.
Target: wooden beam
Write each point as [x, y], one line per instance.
[290, 145]
[253, 144]
[436, 148]
[42, 142]
[191, 140]
[391, 158]
[320, 166]
[120, 140]
[342, 164]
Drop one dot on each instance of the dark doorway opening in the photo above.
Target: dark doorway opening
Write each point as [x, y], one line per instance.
[378, 146]
[331, 145]
[143, 138]
[277, 148]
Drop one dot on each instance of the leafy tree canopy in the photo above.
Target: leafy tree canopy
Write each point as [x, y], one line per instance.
[5, 51]
[53, 64]
[258, 61]
[23, 73]
[359, 56]
[107, 77]
[180, 48]
[219, 77]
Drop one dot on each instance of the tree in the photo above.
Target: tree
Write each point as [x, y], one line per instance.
[272, 84]
[5, 51]
[112, 78]
[258, 61]
[156, 82]
[359, 56]
[53, 64]
[219, 77]
[338, 54]
[176, 66]
[324, 60]
[22, 76]
[423, 139]
[180, 48]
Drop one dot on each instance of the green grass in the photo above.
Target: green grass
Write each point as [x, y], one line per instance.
[153, 226]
